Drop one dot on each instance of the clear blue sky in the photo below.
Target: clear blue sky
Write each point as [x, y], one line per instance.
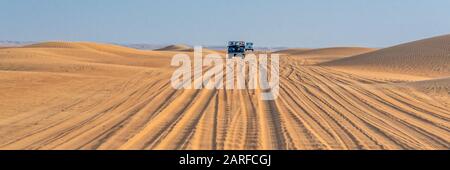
[293, 23]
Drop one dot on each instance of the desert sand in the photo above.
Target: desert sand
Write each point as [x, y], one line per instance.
[185, 48]
[177, 47]
[428, 57]
[79, 95]
[321, 55]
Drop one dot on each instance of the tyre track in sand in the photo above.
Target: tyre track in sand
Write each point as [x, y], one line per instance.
[318, 108]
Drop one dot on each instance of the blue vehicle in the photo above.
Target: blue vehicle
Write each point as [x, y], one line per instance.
[249, 46]
[238, 48]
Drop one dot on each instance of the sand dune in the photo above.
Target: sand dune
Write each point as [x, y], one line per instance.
[428, 57]
[86, 46]
[74, 57]
[99, 96]
[292, 50]
[438, 87]
[176, 47]
[333, 51]
[314, 56]
[55, 44]
[185, 48]
[439, 84]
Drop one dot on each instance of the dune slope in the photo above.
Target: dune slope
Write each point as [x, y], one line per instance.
[333, 51]
[176, 47]
[428, 57]
[320, 55]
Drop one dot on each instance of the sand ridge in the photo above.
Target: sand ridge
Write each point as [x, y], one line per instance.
[335, 51]
[427, 57]
[176, 47]
[320, 55]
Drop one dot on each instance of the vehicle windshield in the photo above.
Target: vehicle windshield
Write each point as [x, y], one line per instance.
[236, 49]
